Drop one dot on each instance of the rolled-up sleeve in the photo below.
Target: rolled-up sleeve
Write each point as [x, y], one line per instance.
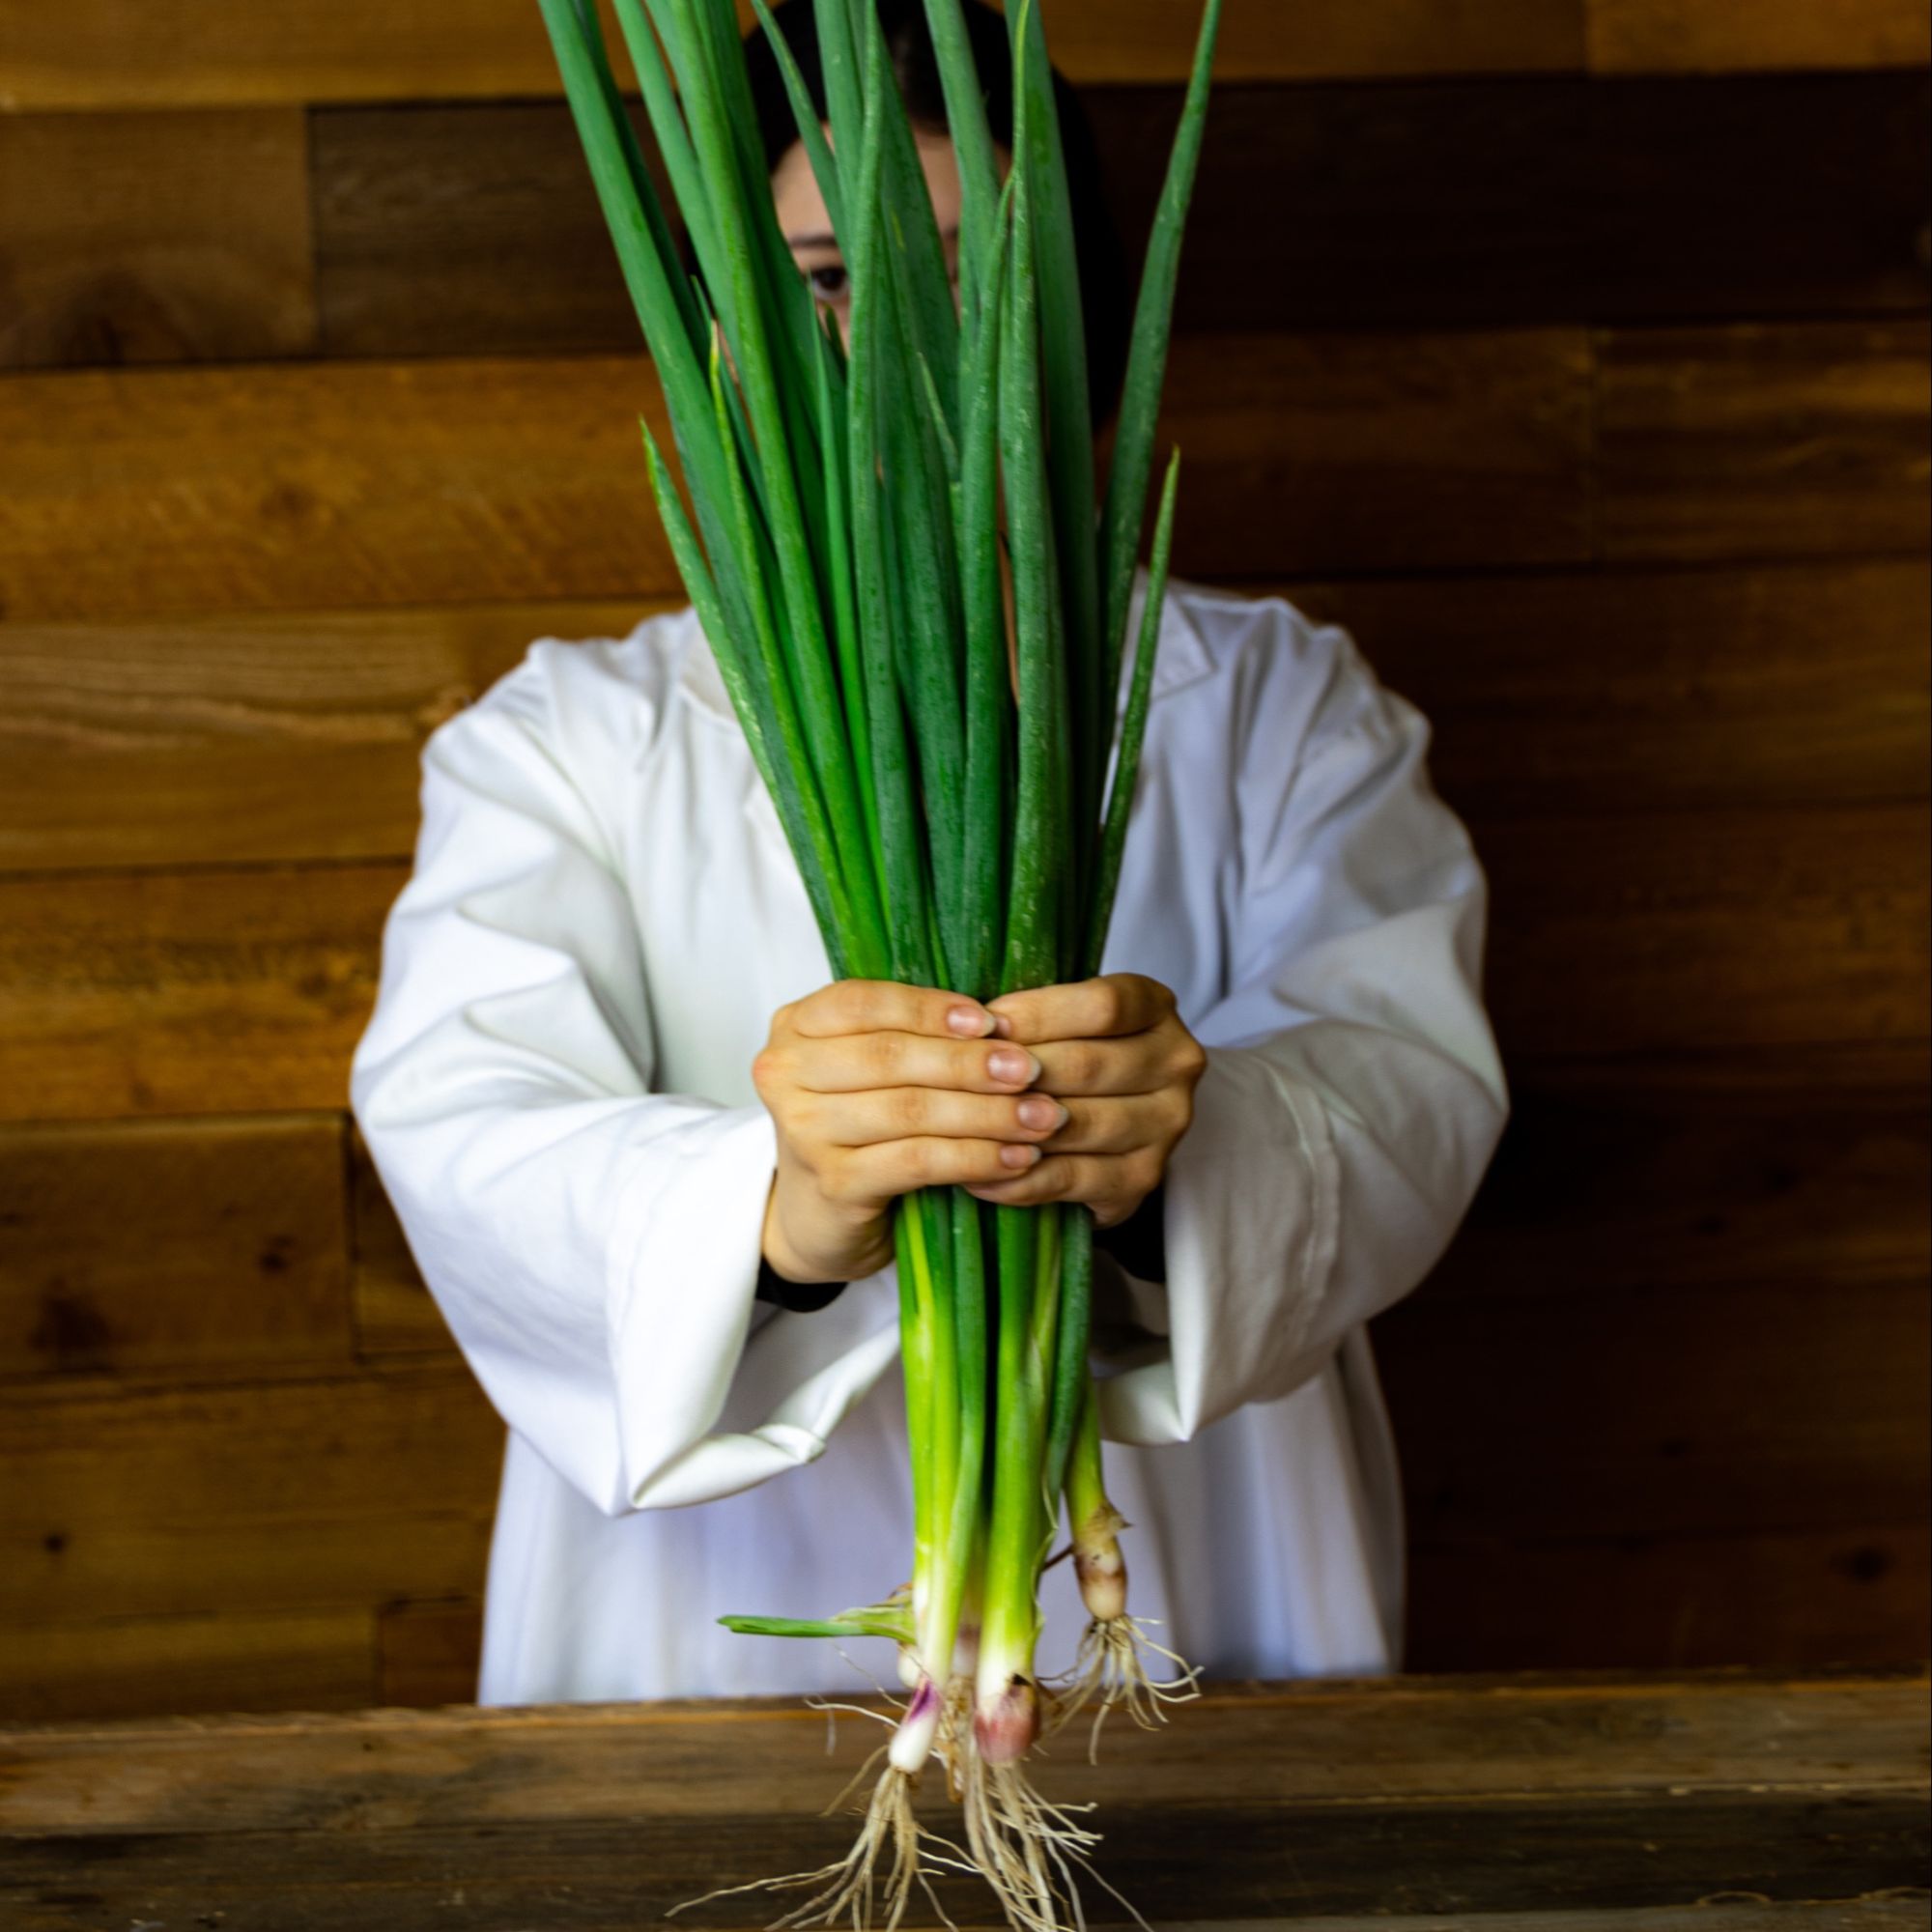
[1353, 1095]
[593, 1245]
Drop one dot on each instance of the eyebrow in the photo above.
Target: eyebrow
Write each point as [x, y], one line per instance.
[830, 241]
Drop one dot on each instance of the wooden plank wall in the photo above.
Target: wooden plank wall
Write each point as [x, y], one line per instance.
[1573, 352]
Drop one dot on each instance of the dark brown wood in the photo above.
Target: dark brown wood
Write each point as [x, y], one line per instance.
[1660, 1412]
[155, 237]
[343, 485]
[1794, 1597]
[236, 739]
[212, 1247]
[1411, 1796]
[297, 737]
[474, 228]
[211, 992]
[395, 1312]
[313, 1660]
[1678, 36]
[1807, 1166]
[1708, 931]
[101, 54]
[1765, 440]
[429, 1653]
[1380, 451]
[120, 1499]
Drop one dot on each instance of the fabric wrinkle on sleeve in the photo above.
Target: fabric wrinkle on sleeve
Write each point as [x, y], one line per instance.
[593, 1246]
[1353, 1095]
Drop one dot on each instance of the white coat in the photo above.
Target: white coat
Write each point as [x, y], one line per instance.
[555, 1089]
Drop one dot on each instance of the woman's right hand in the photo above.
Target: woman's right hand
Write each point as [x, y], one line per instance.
[878, 1090]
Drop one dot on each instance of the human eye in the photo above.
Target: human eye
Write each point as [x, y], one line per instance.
[830, 282]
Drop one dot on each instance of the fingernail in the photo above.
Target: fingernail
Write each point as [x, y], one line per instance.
[1019, 1156]
[1010, 1064]
[1038, 1111]
[969, 1022]
[1003, 1026]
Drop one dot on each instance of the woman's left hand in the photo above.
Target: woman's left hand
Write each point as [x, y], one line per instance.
[1115, 1053]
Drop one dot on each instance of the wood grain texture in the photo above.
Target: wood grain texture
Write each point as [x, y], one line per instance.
[1764, 439]
[1332, 1743]
[1610, 692]
[1222, 1820]
[1661, 1411]
[429, 1654]
[236, 739]
[298, 736]
[186, 993]
[100, 53]
[1708, 931]
[1380, 451]
[1802, 1597]
[395, 1314]
[133, 994]
[155, 237]
[123, 1499]
[1680, 35]
[1806, 1167]
[298, 1660]
[344, 485]
[472, 228]
[328, 485]
[158, 1246]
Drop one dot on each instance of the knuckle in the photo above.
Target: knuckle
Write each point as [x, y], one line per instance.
[1141, 1170]
[768, 1070]
[1189, 1059]
[918, 1164]
[1108, 1003]
[886, 1055]
[910, 1109]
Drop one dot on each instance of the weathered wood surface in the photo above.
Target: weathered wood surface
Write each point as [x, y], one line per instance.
[1861, 1594]
[179, 53]
[120, 1499]
[1764, 439]
[1419, 1796]
[1691, 35]
[140, 238]
[156, 1246]
[296, 736]
[178, 491]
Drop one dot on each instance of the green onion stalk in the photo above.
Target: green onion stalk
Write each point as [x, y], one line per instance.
[954, 780]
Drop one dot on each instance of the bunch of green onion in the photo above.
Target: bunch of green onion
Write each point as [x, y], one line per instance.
[857, 510]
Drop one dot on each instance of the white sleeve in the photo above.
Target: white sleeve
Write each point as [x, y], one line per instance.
[1353, 1095]
[593, 1246]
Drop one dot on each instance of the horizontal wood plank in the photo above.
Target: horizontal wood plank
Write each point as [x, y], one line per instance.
[153, 1246]
[1660, 1412]
[395, 1312]
[1808, 1168]
[344, 485]
[1443, 1740]
[1792, 439]
[1634, 690]
[472, 228]
[245, 991]
[1680, 35]
[1790, 1598]
[186, 993]
[236, 739]
[121, 1500]
[429, 1654]
[98, 53]
[155, 237]
[297, 1659]
[1753, 929]
[298, 736]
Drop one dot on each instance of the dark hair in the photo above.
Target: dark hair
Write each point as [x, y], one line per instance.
[1106, 295]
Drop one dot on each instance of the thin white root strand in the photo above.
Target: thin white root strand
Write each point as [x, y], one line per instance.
[877, 1874]
[1112, 1664]
[1029, 1850]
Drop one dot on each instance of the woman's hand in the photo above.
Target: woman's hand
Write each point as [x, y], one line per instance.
[878, 1090]
[1115, 1054]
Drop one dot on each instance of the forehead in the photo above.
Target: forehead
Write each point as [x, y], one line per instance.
[801, 208]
